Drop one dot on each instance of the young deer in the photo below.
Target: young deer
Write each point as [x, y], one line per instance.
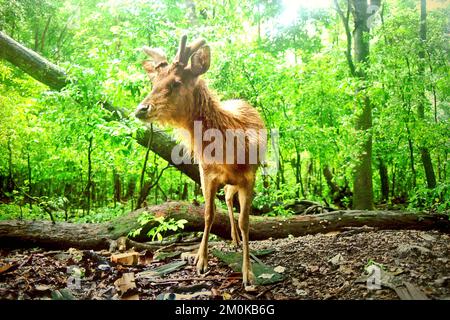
[182, 100]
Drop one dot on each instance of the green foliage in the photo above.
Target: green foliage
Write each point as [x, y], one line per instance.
[103, 214]
[162, 227]
[294, 72]
[279, 210]
[434, 200]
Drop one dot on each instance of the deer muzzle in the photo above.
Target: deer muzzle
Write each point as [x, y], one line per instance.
[142, 111]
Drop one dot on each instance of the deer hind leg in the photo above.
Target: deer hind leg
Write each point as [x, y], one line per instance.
[209, 188]
[245, 200]
[230, 191]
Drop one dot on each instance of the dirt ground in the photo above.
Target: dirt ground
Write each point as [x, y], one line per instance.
[404, 264]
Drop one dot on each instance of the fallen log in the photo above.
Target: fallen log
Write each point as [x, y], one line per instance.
[17, 233]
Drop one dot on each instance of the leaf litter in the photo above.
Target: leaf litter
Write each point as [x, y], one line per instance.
[411, 265]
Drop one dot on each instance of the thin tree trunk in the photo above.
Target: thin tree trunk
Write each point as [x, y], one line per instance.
[144, 188]
[131, 188]
[411, 156]
[185, 191]
[44, 34]
[393, 181]
[424, 152]
[117, 188]
[29, 179]
[10, 181]
[384, 179]
[59, 42]
[329, 179]
[36, 38]
[89, 176]
[298, 172]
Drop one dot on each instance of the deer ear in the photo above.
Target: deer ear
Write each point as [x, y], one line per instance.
[158, 59]
[201, 60]
[149, 67]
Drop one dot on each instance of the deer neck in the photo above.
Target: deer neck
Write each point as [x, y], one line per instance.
[204, 112]
[205, 108]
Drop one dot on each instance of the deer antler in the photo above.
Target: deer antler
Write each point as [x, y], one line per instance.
[181, 49]
[184, 53]
[157, 55]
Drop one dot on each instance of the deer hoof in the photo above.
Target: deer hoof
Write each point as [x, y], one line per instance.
[248, 279]
[251, 289]
[202, 265]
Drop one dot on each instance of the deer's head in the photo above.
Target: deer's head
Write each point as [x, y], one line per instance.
[172, 95]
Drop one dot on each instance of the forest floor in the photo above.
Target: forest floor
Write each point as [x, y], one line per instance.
[411, 264]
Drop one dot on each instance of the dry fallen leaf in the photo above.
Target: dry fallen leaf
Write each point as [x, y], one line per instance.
[313, 269]
[266, 275]
[5, 268]
[226, 296]
[250, 288]
[41, 287]
[337, 259]
[279, 269]
[301, 292]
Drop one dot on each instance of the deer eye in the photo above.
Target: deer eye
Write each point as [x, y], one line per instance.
[175, 84]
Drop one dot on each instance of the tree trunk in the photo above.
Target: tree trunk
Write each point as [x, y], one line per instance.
[10, 181]
[131, 188]
[362, 179]
[117, 188]
[15, 233]
[298, 172]
[362, 175]
[144, 188]
[329, 178]
[185, 192]
[30, 190]
[55, 77]
[411, 156]
[44, 34]
[384, 180]
[32, 63]
[89, 176]
[424, 152]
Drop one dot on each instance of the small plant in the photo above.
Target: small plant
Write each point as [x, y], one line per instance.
[280, 211]
[162, 227]
[435, 200]
[371, 262]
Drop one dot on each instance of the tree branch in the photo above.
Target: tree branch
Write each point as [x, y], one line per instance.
[345, 21]
[53, 76]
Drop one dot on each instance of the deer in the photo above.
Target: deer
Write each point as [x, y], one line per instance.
[181, 99]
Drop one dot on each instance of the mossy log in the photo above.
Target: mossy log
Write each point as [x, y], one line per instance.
[19, 233]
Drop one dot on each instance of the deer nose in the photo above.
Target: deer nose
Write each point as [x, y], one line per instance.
[141, 111]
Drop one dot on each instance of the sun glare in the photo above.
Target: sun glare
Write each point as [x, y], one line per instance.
[291, 8]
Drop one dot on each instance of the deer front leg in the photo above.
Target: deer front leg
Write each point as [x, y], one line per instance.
[245, 197]
[209, 188]
[230, 191]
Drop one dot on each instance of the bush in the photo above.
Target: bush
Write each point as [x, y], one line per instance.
[434, 200]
